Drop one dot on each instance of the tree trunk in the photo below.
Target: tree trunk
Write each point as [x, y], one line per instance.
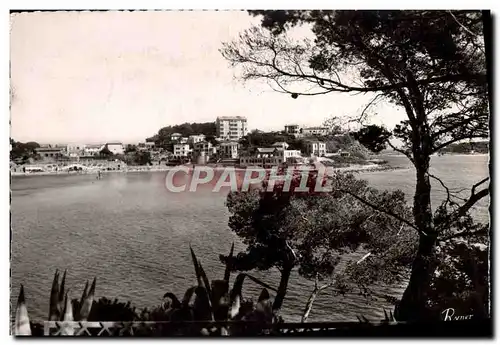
[413, 302]
[412, 306]
[312, 298]
[309, 304]
[280, 295]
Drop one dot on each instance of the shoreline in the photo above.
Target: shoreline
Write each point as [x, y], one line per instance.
[145, 169]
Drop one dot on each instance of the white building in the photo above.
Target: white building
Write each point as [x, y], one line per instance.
[315, 148]
[183, 140]
[288, 155]
[181, 150]
[93, 150]
[231, 127]
[228, 149]
[315, 131]
[116, 148]
[193, 139]
[75, 150]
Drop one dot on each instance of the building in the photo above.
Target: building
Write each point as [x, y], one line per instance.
[315, 148]
[271, 156]
[150, 145]
[181, 150]
[175, 136]
[92, 150]
[281, 145]
[292, 129]
[228, 149]
[203, 146]
[193, 139]
[50, 153]
[289, 156]
[116, 148]
[75, 150]
[315, 131]
[202, 151]
[231, 127]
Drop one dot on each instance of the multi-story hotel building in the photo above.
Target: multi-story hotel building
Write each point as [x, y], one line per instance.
[231, 127]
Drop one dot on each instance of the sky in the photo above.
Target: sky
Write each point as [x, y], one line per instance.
[95, 77]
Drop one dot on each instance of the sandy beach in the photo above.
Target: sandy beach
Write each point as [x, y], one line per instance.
[135, 169]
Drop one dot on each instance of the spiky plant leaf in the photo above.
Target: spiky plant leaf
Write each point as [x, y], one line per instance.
[86, 306]
[206, 282]
[67, 329]
[22, 322]
[61, 289]
[196, 266]
[80, 303]
[68, 310]
[235, 296]
[54, 313]
[60, 298]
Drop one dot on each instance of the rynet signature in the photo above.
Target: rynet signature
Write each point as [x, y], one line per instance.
[449, 315]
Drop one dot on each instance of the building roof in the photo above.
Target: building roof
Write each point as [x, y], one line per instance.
[176, 134]
[280, 143]
[266, 149]
[232, 118]
[50, 149]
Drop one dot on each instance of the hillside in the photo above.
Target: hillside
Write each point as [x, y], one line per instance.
[467, 147]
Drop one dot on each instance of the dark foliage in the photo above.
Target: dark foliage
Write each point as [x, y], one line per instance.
[373, 137]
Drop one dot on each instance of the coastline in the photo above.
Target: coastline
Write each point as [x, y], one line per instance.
[145, 169]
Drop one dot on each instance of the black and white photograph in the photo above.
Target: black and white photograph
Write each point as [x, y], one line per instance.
[250, 173]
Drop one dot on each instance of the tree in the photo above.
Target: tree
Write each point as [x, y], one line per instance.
[335, 125]
[23, 150]
[211, 139]
[142, 158]
[373, 137]
[430, 63]
[312, 230]
[130, 148]
[105, 152]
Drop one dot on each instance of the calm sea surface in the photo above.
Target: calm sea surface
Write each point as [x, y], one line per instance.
[132, 234]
